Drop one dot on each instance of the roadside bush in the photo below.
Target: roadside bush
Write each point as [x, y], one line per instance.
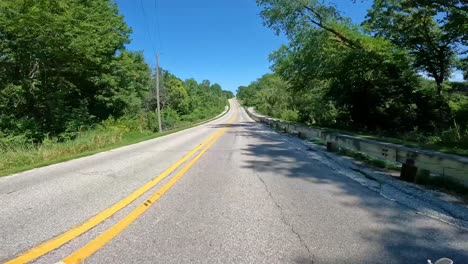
[451, 136]
[449, 184]
[459, 106]
[125, 123]
[415, 136]
[289, 115]
[170, 118]
[194, 115]
[151, 121]
[8, 141]
[20, 154]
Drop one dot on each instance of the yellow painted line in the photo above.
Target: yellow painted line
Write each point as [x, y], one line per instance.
[74, 232]
[94, 245]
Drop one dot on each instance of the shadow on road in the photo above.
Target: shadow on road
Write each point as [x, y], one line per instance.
[229, 125]
[394, 234]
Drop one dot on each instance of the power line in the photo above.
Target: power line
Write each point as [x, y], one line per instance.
[157, 23]
[147, 26]
[148, 29]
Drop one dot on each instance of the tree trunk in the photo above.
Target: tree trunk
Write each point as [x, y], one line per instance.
[439, 87]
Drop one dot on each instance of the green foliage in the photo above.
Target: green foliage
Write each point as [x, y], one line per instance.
[57, 64]
[459, 105]
[68, 87]
[18, 154]
[127, 84]
[170, 118]
[228, 94]
[449, 184]
[9, 141]
[369, 160]
[372, 87]
[431, 30]
[364, 81]
[21, 154]
[175, 94]
[270, 95]
[246, 95]
[463, 66]
[64, 71]
[289, 115]
[451, 136]
[367, 79]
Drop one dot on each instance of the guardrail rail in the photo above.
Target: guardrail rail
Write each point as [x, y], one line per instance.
[412, 159]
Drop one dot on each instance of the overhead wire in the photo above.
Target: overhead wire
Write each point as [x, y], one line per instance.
[156, 9]
[147, 26]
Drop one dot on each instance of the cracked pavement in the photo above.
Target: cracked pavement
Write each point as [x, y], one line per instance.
[254, 197]
[286, 222]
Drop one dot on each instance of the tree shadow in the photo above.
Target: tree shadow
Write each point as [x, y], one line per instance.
[403, 236]
[234, 125]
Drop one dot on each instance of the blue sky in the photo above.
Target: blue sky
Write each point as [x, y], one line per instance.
[223, 41]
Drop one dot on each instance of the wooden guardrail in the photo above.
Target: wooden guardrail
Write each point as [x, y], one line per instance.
[412, 159]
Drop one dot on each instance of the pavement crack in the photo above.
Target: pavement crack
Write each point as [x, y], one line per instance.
[284, 219]
[398, 192]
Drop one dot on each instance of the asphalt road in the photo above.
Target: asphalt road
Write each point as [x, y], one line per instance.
[245, 196]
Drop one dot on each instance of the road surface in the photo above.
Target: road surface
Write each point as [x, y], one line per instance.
[246, 195]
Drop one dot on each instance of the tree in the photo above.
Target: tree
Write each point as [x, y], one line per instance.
[125, 86]
[463, 66]
[64, 68]
[53, 55]
[431, 30]
[362, 77]
[228, 94]
[270, 95]
[294, 17]
[246, 95]
[176, 95]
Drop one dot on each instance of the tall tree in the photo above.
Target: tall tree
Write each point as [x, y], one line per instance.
[434, 31]
[365, 77]
[293, 17]
[176, 95]
[53, 55]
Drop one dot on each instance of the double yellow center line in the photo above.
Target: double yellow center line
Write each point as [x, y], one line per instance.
[109, 234]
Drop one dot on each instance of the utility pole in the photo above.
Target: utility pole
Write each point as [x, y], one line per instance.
[157, 92]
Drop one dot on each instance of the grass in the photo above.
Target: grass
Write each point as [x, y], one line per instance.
[441, 147]
[361, 157]
[318, 142]
[437, 146]
[445, 184]
[368, 159]
[29, 156]
[353, 154]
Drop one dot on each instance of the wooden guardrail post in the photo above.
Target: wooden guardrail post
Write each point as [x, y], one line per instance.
[408, 171]
[412, 159]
